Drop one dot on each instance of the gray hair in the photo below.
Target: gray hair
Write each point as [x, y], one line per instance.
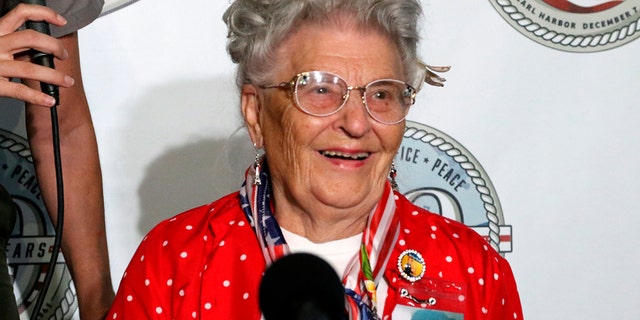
[257, 27]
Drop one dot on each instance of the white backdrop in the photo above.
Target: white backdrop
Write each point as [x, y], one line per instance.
[555, 131]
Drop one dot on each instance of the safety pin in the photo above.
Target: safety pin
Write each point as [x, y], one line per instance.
[404, 293]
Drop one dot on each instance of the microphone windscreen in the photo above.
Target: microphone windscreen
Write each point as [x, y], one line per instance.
[301, 286]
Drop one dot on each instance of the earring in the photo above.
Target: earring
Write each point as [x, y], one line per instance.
[392, 177]
[256, 167]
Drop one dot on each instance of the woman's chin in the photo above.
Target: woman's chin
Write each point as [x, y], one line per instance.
[345, 193]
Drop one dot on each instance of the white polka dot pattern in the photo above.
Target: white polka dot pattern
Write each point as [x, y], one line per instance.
[457, 253]
[206, 263]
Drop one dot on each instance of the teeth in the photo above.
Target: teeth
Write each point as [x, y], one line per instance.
[356, 156]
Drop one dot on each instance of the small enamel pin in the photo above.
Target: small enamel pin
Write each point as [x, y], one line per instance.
[411, 265]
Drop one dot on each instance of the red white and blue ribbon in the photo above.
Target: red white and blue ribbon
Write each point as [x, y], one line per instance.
[362, 275]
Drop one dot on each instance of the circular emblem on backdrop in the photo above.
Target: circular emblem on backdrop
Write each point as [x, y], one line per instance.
[437, 173]
[411, 265]
[31, 243]
[574, 25]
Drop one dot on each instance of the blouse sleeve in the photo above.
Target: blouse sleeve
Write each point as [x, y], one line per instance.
[79, 13]
[505, 303]
[144, 290]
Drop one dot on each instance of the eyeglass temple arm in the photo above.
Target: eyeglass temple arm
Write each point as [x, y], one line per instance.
[285, 85]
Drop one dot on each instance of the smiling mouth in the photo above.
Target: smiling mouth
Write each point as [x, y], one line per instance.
[345, 156]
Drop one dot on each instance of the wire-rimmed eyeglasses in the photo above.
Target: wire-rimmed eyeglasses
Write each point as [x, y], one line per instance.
[322, 93]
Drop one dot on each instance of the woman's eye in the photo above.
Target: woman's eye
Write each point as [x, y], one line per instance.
[381, 95]
[322, 90]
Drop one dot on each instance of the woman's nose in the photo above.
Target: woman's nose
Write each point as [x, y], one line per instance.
[354, 118]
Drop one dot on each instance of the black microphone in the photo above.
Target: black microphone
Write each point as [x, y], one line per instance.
[301, 286]
[41, 58]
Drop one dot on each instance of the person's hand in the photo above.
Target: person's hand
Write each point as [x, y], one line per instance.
[15, 61]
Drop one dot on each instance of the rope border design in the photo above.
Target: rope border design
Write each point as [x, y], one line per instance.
[491, 210]
[14, 146]
[562, 39]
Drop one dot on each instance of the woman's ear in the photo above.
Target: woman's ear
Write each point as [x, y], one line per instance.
[251, 108]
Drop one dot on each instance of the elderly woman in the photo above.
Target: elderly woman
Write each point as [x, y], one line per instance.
[325, 87]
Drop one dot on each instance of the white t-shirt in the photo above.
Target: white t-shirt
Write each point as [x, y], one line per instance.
[337, 253]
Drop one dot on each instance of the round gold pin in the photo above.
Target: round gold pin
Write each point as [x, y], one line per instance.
[411, 265]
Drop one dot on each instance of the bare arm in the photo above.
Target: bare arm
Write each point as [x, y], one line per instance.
[84, 239]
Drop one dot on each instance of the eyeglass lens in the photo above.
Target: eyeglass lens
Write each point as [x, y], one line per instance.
[322, 94]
